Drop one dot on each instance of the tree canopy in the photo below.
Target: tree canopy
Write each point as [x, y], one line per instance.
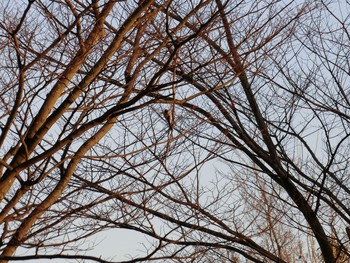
[218, 129]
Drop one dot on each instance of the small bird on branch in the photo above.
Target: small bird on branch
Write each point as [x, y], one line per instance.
[168, 115]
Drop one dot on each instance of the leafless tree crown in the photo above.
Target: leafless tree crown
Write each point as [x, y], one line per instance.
[217, 129]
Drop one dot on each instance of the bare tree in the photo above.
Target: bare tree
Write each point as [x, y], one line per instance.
[257, 89]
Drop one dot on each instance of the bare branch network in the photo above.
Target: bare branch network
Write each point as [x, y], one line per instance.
[218, 130]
